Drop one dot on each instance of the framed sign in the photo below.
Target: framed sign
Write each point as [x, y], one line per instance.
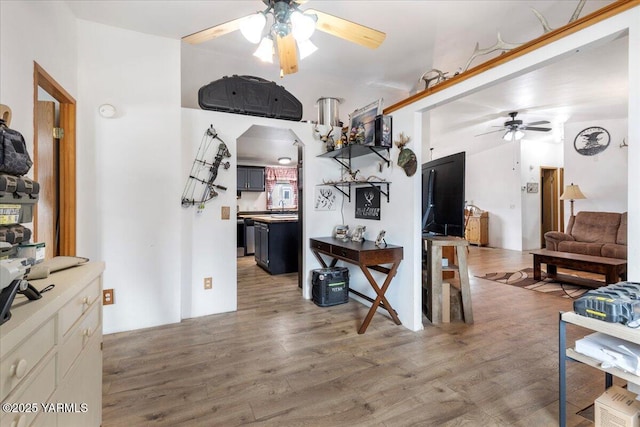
[591, 141]
[325, 199]
[362, 123]
[368, 203]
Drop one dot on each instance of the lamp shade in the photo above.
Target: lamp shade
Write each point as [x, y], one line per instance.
[513, 134]
[572, 192]
[252, 26]
[265, 50]
[302, 26]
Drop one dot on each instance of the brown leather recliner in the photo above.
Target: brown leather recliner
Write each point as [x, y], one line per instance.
[592, 233]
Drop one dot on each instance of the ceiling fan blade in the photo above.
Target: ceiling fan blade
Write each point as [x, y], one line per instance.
[541, 122]
[288, 54]
[535, 129]
[493, 131]
[347, 30]
[215, 31]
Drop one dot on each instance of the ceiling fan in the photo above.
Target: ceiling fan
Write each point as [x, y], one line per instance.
[514, 129]
[291, 30]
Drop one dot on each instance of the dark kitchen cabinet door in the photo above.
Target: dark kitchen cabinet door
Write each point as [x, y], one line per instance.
[250, 178]
[276, 247]
[262, 244]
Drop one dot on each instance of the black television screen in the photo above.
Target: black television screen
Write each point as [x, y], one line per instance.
[443, 195]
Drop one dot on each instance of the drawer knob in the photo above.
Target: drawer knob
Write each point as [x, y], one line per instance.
[88, 332]
[19, 369]
[21, 421]
[85, 300]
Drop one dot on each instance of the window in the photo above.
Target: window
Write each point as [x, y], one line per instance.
[281, 183]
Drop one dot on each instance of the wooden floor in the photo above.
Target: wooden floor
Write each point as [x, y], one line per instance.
[281, 360]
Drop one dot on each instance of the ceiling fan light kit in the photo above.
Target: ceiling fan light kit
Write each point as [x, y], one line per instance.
[302, 26]
[515, 129]
[265, 50]
[251, 28]
[291, 30]
[513, 135]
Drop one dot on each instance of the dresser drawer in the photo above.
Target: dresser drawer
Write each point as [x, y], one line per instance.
[345, 253]
[17, 365]
[77, 339]
[321, 246]
[37, 391]
[78, 305]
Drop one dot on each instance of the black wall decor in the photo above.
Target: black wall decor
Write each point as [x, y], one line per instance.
[368, 203]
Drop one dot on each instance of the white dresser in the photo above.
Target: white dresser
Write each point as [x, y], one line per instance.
[51, 353]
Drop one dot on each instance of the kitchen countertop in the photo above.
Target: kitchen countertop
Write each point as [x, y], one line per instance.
[270, 216]
[270, 219]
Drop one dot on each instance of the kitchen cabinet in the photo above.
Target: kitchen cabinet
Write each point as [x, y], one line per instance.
[276, 249]
[477, 230]
[240, 234]
[250, 178]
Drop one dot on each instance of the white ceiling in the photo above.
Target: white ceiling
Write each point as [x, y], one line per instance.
[421, 35]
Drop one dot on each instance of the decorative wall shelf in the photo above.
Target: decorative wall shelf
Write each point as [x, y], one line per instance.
[341, 185]
[344, 155]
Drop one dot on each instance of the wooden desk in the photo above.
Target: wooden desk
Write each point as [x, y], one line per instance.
[367, 256]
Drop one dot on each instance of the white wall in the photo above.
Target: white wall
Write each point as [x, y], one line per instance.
[396, 216]
[252, 201]
[496, 189]
[135, 162]
[43, 32]
[603, 178]
[516, 225]
[535, 154]
[306, 86]
[129, 171]
[596, 34]
[209, 245]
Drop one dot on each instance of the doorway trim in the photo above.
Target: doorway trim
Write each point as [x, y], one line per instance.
[557, 208]
[67, 156]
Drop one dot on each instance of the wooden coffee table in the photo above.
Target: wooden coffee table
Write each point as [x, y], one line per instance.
[614, 269]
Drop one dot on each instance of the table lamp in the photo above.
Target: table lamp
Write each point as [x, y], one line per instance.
[572, 192]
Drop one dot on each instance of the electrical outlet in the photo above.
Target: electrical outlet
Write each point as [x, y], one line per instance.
[208, 282]
[108, 296]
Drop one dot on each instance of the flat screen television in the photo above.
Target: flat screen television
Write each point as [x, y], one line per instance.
[443, 195]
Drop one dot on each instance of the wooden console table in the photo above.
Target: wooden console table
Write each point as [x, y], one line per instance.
[612, 268]
[367, 256]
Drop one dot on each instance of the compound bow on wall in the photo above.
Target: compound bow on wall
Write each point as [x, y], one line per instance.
[204, 173]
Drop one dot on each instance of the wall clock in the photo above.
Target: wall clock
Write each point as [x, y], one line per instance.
[592, 140]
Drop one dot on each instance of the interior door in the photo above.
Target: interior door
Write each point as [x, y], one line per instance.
[66, 166]
[46, 174]
[549, 202]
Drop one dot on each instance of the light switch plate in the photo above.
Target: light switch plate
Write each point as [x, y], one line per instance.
[226, 212]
